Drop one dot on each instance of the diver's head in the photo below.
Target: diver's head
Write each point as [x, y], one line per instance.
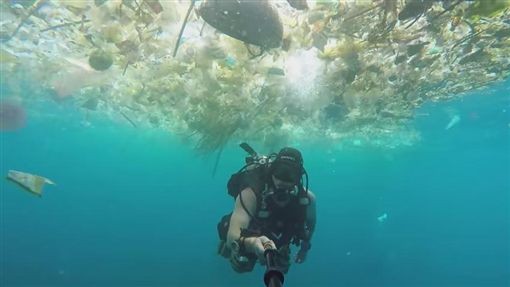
[287, 169]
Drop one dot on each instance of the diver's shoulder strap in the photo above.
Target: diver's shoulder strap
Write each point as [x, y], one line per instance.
[303, 196]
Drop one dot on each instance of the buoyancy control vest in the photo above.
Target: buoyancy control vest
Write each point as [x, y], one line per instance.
[282, 224]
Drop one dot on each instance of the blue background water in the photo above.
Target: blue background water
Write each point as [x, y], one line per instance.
[136, 207]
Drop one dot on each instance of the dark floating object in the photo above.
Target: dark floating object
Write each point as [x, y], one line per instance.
[253, 22]
[128, 119]
[12, 116]
[191, 5]
[298, 4]
[414, 49]
[90, 104]
[503, 33]
[473, 57]
[400, 59]
[100, 60]
[335, 112]
[275, 71]
[487, 7]
[83, 21]
[414, 9]
[319, 40]
[99, 2]
[155, 6]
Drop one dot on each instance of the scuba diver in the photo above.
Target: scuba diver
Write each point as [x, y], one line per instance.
[272, 211]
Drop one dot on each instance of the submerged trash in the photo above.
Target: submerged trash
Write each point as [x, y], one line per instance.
[73, 77]
[276, 71]
[154, 5]
[298, 4]
[487, 7]
[349, 71]
[90, 104]
[414, 9]
[179, 38]
[29, 182]
[253, 22]
[382, 217]
[99, 2]
[6, 57]
[453, 122]
[12, 115]
[100, 60]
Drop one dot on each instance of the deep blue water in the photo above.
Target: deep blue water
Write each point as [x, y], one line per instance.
[135, 207]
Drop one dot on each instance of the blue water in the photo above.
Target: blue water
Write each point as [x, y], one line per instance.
[135, 207]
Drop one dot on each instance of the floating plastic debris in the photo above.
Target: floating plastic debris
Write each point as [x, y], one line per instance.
[382, 218]
[357, 142]
[90, 104]
[12, 115]
[29, 182]
[348, 72]
[453, 122]
[298, 4]
[275, 71]
[253, 22]
[230, 61]
[155, 6]
[100, 60]
[7, 57]
[74, 76]
[99, 2]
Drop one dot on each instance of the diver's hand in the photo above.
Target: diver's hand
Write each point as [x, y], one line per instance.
[258, 245]
[303, 251]
[301, 256]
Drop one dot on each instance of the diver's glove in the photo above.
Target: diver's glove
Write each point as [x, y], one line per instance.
[303, 251]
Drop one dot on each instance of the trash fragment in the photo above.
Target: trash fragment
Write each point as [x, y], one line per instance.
[298, 4]
[74, 76]
[155, 6]
[253, 22]
[128, 119]
[100, 60]
[230, 61]
[12, 115]
[99, 2]
[179, 38]
[414, 9]
[276, 71]
[29, 182]
[453, 122]
[90, 104]
[382, 217]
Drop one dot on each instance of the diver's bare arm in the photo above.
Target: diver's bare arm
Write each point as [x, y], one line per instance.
[310, 216]
[240, 218]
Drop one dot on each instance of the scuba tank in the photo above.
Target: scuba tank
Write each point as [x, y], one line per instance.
[253, 164]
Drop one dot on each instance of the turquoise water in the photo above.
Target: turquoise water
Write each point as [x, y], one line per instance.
[136, 207]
